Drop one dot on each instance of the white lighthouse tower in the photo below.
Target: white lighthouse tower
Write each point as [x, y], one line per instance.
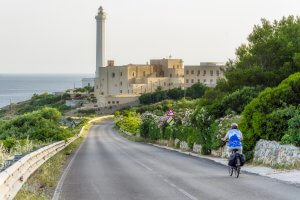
[100, 46]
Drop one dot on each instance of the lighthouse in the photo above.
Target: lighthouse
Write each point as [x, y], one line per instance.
[100, 43]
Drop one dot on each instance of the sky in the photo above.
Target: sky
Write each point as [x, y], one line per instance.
[59, 36]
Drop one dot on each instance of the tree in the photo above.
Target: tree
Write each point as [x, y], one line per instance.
[196, 91]
[262, 118]
[271, 55]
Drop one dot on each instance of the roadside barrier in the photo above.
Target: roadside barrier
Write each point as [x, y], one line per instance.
[12, 179]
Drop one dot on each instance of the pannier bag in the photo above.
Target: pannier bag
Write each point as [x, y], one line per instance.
[231, 160]
[233, 157]
[242, 158]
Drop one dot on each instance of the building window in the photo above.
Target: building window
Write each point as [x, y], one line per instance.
[177, 75]
[187, 80]
[218, 73]
[170, 75]
[204, 81]
[121, 91]
[113, 102]
[144, 73]
[192, 81]
[121, 83]
[121, 74]
[198, 73]
[164, 83]
[108, 102]
[192, 71]
[198, 80]
[113, 75]
[211, 72]
[118, 102]
[133, 74]
[204, 72]
[102, 93]
[187, 71]
[173, 66]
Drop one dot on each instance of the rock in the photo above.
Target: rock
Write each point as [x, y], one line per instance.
[184, 145]
[197, 148]
[273, 153]
[176, 142]
[221, 152]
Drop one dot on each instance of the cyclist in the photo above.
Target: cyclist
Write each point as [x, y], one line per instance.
[234, 137]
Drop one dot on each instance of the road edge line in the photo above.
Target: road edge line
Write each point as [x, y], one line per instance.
[58, 188]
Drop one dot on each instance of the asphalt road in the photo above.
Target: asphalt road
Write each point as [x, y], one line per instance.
[109, 167]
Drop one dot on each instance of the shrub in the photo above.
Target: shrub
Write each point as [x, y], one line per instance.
[292, 135]
[39, 101]
[258, 112]
[43, 125]
[196, 91]
[219, 128]
[237, 100]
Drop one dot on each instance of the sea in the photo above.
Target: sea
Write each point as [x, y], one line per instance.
[15, 88]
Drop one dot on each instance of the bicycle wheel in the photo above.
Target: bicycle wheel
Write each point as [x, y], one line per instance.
[230, 170]
[237, 172]
[238, 167]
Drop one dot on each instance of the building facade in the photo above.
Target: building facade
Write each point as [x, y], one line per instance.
[87, 82]
[124, 84]
[206, 73]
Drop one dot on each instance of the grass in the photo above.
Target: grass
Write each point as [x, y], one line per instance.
[278, 166]
[41, 184]
[18, 147]
[132, 138]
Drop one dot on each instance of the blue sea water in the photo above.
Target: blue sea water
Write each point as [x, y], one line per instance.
[19, 87]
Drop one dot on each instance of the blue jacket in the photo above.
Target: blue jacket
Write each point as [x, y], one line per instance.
[234, 136]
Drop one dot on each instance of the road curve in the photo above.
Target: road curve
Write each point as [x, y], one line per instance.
[109, 167]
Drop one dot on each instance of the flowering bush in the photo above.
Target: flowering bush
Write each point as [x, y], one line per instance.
[219, 129]
[128, 121]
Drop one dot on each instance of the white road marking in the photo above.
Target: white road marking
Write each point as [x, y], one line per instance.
[188, 195]
[58, 188]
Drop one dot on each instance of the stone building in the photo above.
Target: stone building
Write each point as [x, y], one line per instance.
[206, 73]
[87, 82]
[124, 84]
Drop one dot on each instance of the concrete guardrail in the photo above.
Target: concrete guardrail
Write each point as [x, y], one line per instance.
[12, 179]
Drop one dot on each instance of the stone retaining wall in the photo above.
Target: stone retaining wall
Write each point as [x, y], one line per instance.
[273, 153]
[197, 148]
[184, 145]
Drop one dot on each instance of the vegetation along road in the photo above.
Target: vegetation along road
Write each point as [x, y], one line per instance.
[108, 166]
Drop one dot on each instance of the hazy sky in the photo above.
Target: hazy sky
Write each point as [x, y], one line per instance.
[58, 36]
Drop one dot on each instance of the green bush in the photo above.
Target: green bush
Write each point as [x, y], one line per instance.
[43, 125]
[196, 91]
[9, 143]
[292, 135]
[258, 114]
[128, 120]
[237, 100]
[39, 101]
